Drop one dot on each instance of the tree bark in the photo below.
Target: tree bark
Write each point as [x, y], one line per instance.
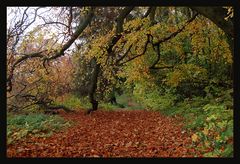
[121, 18]
[93, 86]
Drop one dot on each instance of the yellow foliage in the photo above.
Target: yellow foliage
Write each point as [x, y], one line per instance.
[195, 138]
[136, 23]
[186, 72]
[205, 131]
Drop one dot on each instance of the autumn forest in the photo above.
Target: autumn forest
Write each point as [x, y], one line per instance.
[130, 81]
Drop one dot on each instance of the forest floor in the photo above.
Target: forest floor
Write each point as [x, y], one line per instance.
[119, 133]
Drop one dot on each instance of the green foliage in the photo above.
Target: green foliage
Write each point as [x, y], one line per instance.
[186, 73]
[123, 99]
[124, 102]
[41, 125]
[128, 101]
[74, 103]
[217, 131]
[108, 106]
[212, 123]
[82, 75]
[152, 99]
[220, 135]
[211, 120]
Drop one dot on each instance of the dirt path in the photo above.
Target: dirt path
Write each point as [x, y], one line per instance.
[135, 133]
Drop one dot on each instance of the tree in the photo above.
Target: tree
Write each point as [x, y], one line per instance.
[45, 53]
[111, 40]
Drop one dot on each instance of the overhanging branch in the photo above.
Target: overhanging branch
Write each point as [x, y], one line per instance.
[176, 32]
[156, 44]
[58, 53]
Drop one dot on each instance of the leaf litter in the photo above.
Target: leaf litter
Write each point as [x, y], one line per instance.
[136, 133]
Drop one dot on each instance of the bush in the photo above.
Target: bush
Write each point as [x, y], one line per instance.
[155, 101]
[73, 102]
[20, 126]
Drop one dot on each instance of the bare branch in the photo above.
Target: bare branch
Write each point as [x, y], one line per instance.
[124, 55]
[163, 67]
[121, 18]
[70, 20]
[58, 53]
[75, 35]
[25, 57]
[49, 23]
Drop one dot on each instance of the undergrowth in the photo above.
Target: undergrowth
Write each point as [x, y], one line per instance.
[35, 124]
[73, 102]
[211, 121]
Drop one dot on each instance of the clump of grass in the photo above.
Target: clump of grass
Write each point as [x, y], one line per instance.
[41, 125]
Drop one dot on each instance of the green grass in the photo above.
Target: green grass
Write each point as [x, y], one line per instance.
[108, 106]
[36, 124]
[75, 103]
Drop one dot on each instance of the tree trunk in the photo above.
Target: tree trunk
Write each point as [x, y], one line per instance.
[93, 86]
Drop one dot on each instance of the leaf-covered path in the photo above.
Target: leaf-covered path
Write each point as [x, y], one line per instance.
[135, 133]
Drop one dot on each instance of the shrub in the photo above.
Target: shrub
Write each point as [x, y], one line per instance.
[155, 101]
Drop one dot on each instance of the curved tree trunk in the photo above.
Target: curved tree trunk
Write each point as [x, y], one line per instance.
[217, 15]
[94, 79]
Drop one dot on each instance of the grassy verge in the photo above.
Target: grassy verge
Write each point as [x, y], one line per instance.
[36, 124]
